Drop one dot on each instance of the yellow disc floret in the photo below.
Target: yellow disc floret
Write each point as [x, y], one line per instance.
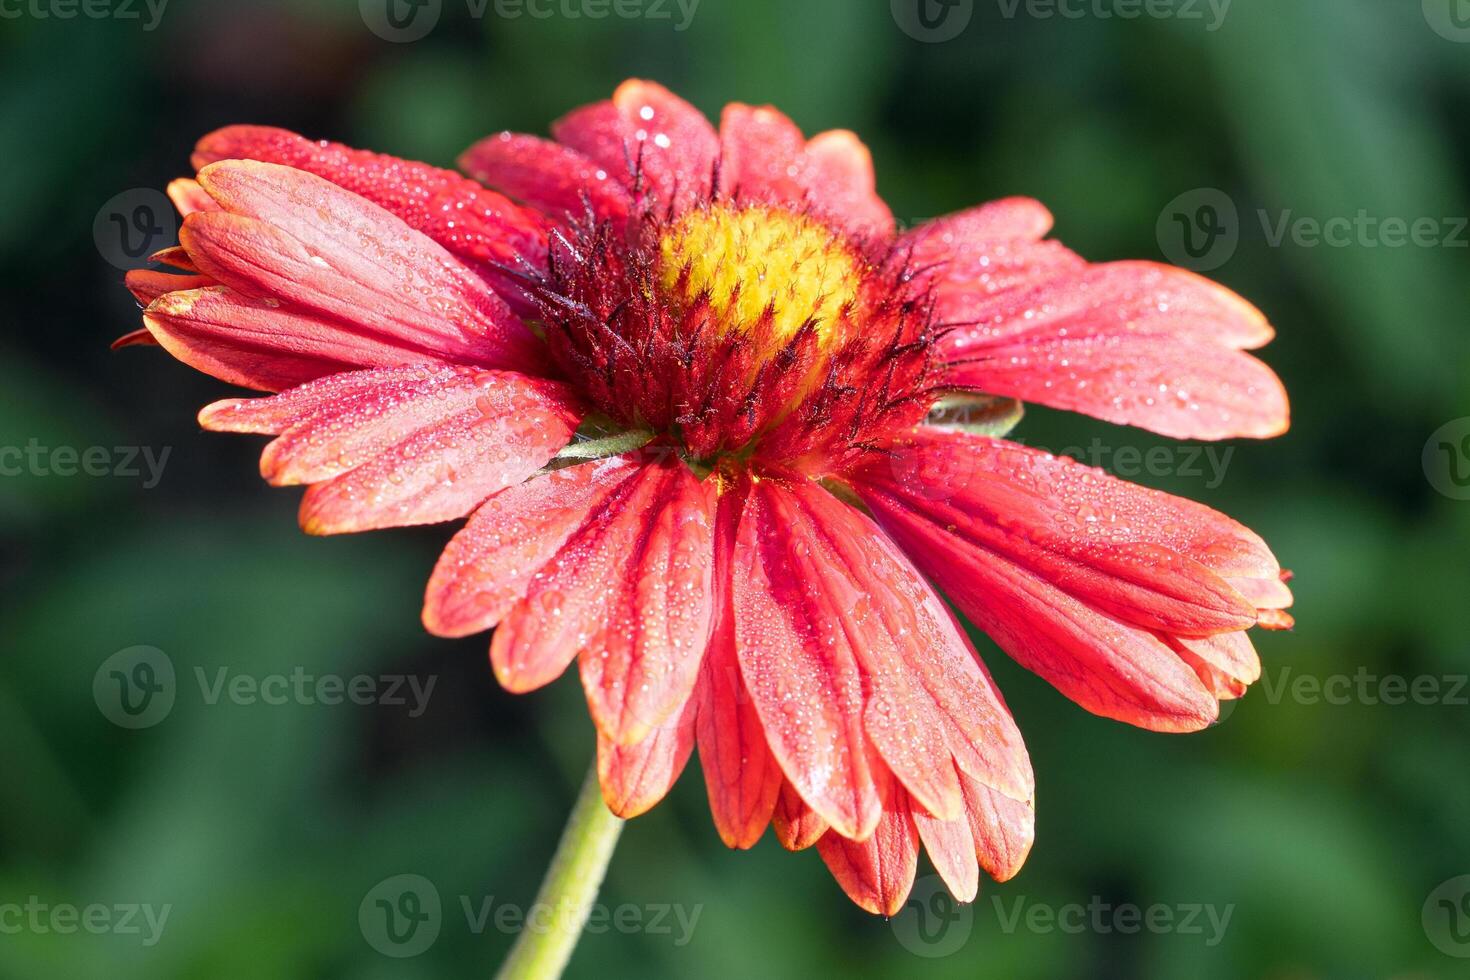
[752, 259]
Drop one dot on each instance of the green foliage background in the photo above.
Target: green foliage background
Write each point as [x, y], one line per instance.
[1325, 826]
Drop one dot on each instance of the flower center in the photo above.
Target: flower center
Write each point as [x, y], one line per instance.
[764, 272]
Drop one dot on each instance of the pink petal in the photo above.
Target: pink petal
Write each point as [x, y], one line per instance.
[472, 223]
[1131, 342]
[630, 591]
[636, 777]
[491, 563]
[1185, 389]
[801, 670]
[841, 185]
[445, 469]
[656, 628]
[291, 236]
[741, 775]
[877, 873]
[950, 845]
[262, 343]
[796, 824]
[651, 139]
[1003, 829]
[547, 175]
[929, 698]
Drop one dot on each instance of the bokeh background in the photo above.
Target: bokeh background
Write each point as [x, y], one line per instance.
[1331, 830]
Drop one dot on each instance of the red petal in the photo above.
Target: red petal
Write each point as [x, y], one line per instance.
[633, 582]
[355, 429]
[490, 564]
[1106, 666]
[547, 175]
[1101, 540]
[762, 155]
[740, 773]
[1185, 389]
[877, 873]
[147, 285]
[801, 671]
[1230, 654]
[765, 158]
[650, 138]
[842, 186]
[950, 845]
[636, 777]
[972, 255]
[188, 196]
[445, 469]
[289, 235]
[261, 343]
[272, 416]
[1003, 829]
[1131, 342]
[797, 825]
[476, 224]
[929, 697]
[656, 629]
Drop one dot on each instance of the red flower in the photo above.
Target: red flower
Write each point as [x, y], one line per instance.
[733, 545]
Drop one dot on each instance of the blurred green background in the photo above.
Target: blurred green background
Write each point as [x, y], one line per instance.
[1330, 830]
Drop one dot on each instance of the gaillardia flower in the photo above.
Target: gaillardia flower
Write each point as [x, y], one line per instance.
[717, 424]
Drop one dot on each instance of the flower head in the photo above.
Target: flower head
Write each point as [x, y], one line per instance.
[695, 393]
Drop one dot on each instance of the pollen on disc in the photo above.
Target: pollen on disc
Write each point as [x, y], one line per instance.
[753, 259]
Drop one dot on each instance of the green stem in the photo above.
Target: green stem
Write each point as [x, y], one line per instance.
[554, 924]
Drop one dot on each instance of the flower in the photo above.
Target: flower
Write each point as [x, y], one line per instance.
[713, 419]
